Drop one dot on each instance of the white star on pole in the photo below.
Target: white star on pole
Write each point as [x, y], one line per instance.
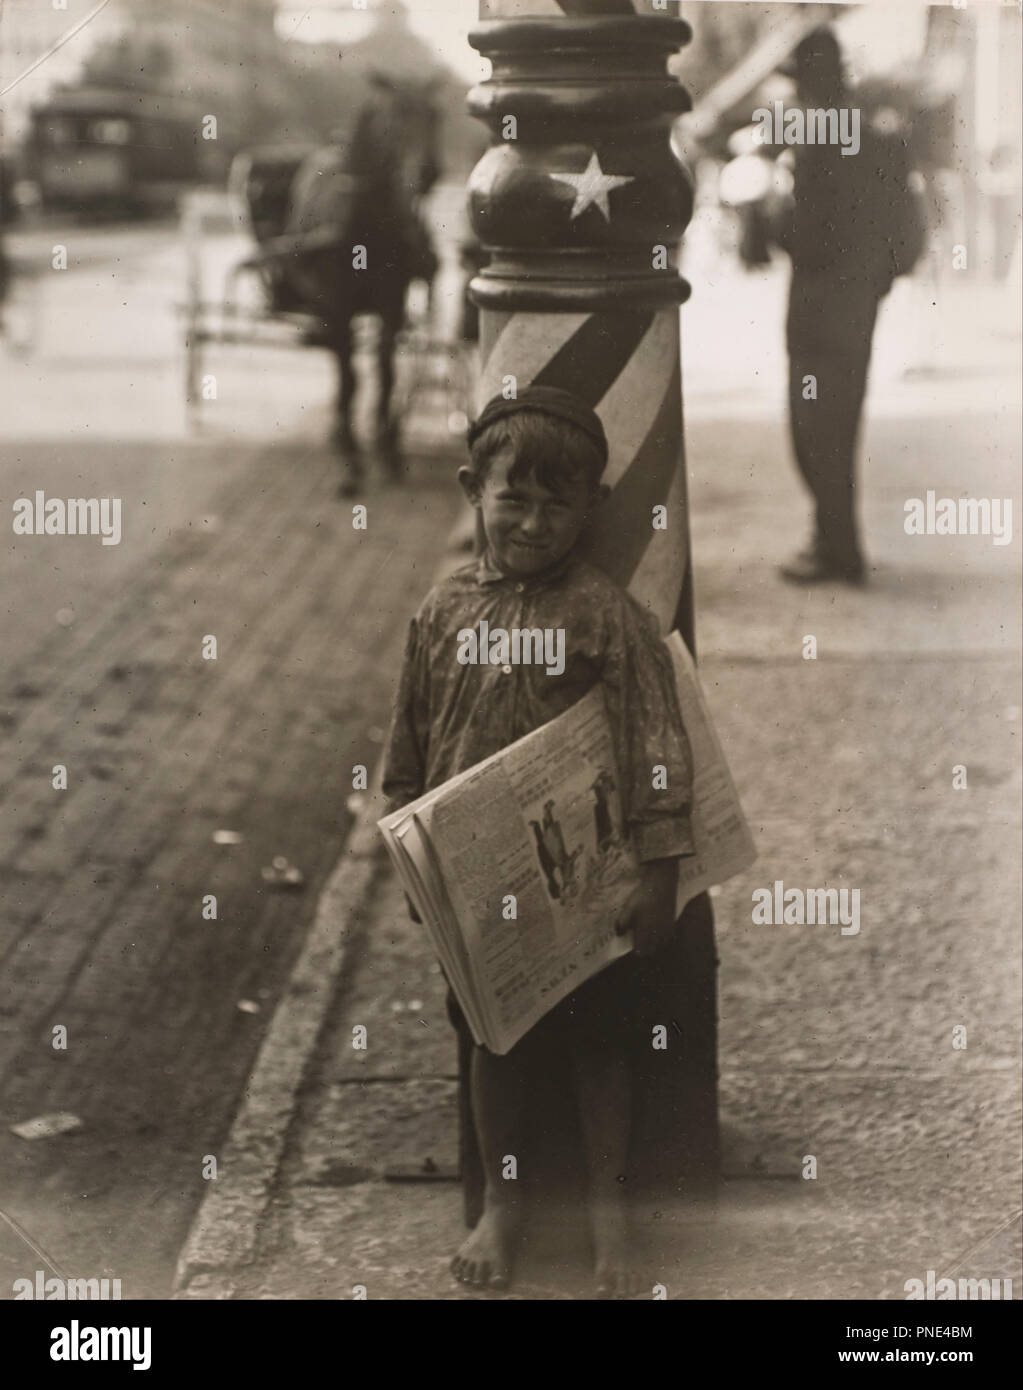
[592, 186]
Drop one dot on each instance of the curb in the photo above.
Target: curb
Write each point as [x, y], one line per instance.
[225, 1233]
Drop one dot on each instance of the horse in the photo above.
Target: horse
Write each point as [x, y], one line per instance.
[354, 240]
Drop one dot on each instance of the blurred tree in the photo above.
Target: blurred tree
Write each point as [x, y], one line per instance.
[265, 91]
[724, 31]
[130, 61]
[337, 81]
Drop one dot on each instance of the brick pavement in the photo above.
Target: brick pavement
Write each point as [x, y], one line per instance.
[103, 883]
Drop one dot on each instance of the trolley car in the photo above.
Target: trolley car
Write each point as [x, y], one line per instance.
[117, 152]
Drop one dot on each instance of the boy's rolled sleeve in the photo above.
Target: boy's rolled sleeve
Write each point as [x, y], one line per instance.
[642, 701]
[405, 752]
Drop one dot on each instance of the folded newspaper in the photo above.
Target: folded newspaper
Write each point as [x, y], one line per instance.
[520, 866]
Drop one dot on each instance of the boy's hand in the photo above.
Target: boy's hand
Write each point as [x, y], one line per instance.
[650, 911]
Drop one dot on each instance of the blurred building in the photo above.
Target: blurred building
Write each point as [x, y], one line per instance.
[417, 41]
[29, 32]
[268, 71]
[225, 50]
[439, 26]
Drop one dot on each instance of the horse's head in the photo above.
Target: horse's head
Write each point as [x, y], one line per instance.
[367, 178]
[399, 130]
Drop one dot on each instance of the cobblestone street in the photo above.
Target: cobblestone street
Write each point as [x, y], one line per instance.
[103, 884]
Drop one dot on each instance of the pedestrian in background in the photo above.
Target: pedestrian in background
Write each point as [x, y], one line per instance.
[854, 224]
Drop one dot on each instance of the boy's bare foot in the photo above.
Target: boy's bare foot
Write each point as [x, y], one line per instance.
[614, 1274]
[484, 1258]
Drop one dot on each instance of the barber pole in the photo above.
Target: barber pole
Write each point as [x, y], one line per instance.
[581, 204]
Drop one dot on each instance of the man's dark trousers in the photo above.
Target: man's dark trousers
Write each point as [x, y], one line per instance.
[829, 332]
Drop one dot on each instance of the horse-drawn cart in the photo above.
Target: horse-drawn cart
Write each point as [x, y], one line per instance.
[226, 298]
[292, 255]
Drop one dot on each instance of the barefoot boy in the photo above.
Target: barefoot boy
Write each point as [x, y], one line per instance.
[534, 478]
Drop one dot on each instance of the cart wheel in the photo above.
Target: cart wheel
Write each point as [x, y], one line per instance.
[193, 361]
[192, 309]
[20, 312]
[464, 385]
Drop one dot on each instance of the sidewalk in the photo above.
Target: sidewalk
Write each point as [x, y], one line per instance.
[831, 1046]
[127, 916]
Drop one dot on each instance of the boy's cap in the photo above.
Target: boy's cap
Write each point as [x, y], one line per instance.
[547, 400]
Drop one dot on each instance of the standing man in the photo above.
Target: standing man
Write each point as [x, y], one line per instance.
[840, 237]
[6, 216]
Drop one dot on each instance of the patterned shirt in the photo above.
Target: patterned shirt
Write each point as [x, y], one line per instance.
[449, 716]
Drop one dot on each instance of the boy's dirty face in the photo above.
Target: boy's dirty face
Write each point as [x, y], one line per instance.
[529, 528]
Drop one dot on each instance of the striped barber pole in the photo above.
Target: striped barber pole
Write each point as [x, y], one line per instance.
[580, 204]
[626, 366]
[511, 9]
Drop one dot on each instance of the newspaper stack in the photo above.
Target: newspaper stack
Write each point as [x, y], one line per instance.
[520, 866]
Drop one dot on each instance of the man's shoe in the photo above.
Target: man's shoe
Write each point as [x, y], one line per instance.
[811, 567]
